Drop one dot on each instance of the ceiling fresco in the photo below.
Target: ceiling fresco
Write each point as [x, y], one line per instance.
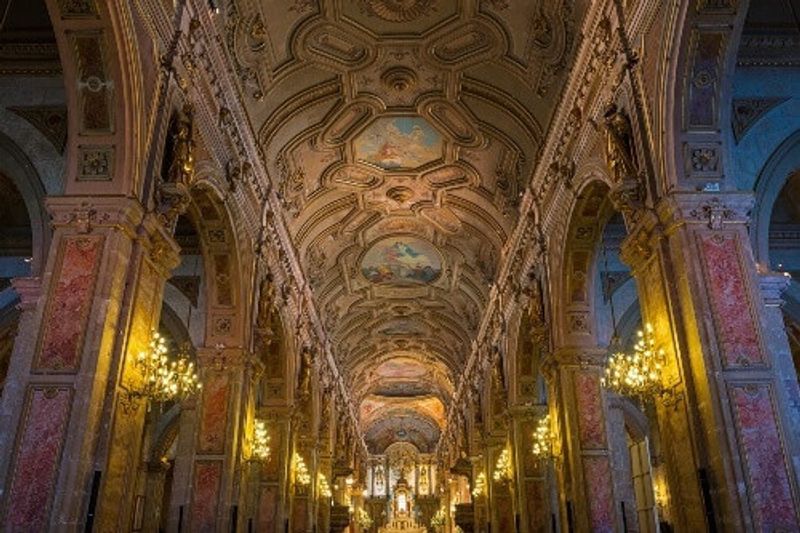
[401, 135]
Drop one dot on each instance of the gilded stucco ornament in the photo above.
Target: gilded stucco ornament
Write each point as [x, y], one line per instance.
[398, 10]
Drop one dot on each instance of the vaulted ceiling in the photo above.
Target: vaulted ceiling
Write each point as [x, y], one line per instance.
[400, 136]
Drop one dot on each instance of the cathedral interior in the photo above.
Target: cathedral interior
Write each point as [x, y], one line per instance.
[382, 266]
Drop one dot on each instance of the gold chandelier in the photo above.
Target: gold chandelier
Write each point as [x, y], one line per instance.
[637, 374]
[503, 471]
[164, 379]
[261, 439]
[323, 487]
[363, 519]
[480, 486]
[301, 475]
[542, 439]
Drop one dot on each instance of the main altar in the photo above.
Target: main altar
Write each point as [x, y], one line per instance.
[402, 518]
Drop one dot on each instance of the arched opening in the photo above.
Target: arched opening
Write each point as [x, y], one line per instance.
[784, 255]
[16, 253]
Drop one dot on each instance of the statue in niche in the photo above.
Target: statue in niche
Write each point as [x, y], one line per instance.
[266, 303]
[626, 194]
[498, 381]
[171, 193]
[536, 313]
[181, 167]
[306, 364]
[620, 157]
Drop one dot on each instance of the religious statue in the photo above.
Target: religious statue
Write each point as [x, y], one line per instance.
[620, 156]
[181, 167]
[306, 363]
[498, 382]
[266, 302]
[536, 313]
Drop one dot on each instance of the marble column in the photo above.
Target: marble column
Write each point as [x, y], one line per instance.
[274, 473]
[532, 475]
[217, 459]
[725, 417]
[107, 266]
[588, 496]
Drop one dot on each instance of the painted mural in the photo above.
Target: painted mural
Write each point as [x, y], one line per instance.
[402, 260]
[397, 143]
[402, 367]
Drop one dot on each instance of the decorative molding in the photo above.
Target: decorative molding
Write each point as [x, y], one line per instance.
[95, 163]
[748, 111]
[769, 51]
[51, 121]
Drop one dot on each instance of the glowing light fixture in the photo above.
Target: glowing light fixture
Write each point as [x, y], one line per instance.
[362, 519]
[637, 374]
[164, 379]
[502, 469]
[542, 439]
[323, 487]
[301, 475]
[440, 518]
[261, 439]
[480, 486]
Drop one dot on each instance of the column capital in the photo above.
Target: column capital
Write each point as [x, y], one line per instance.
[160, 243]
[528, 411]
[86, 213]
[772, 286]
[711, 209]
[29, 290]
[587, 357]
[222, 358]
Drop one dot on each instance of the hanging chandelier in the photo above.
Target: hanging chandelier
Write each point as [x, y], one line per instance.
[261, 450]
[502, 469]
[363, 519]
[637, 374]
[542, 439]
[301, 475]
[165, 380]
[440, 518]
[323, 487]
[480, 486]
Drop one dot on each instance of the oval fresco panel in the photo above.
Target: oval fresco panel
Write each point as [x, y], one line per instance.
[402, 260]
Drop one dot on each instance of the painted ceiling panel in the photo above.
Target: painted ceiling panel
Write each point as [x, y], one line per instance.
[395, 133]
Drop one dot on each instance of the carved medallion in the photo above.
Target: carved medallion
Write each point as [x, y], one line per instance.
[398, 10]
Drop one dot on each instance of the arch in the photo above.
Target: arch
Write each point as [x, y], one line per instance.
[573, 295]
[698, 65]
[18, 168]
[781, 164]
[224, 263]
[102, 69]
